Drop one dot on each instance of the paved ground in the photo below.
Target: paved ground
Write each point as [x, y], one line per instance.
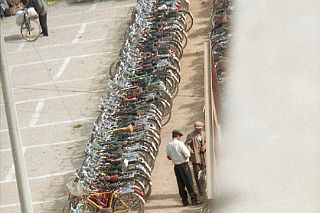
[57, 84]
[187, 108]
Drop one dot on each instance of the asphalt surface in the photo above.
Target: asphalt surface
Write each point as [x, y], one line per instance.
[58, 81]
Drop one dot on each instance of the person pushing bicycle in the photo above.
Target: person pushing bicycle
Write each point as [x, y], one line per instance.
[41, 8]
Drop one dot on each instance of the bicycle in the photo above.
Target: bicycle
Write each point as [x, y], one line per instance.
[30, 28]
[124, 200]
[112, 202]
[202, 178]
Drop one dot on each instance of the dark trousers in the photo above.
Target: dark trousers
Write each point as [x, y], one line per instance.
[196, 168]
[44, 24]
[184, 180]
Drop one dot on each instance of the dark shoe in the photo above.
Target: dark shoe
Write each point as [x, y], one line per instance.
[196, 203]
[43, 34]
[185, 204]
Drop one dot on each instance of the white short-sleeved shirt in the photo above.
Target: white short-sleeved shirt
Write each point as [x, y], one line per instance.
[178, 152]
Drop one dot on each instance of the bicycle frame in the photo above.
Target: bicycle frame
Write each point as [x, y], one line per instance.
[109, 206]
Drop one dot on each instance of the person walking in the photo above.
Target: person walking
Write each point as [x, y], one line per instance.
[178, 152]
[42, 9]
[196, 142]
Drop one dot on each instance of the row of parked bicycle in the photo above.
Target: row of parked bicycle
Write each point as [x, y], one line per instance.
[220, 36]
[119, 157]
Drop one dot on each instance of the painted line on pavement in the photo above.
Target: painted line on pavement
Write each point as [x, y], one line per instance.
[59, 59]
[128, 5]
[97, 10]
[78, 24]
[50, 98]
[36, 62]
[62, 68]
[41, 177]
[33, 203]
[56, 82]
[89, 55]
[36, 115]
[47, 144]
[69, 43]
[21, 46]
[11, 174]
[52, 123]
[50, 175]
[79, 34]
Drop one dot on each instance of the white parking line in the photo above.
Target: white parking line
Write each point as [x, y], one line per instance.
[80, 32]
[62, 68]
[47, 144]
[65, 26]
[127, 5]
[50, 98]
[11, 174]
[41, 177]
[64, 44]
[21, 46]
[89, 55]
[36, 62]
[50, 175]
[53, 123]
[100, 9]
[56, 82]
[59, 59]
[74, 25]
[33, 203]
[36, 115]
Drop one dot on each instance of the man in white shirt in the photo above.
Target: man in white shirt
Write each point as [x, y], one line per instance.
[179, 154]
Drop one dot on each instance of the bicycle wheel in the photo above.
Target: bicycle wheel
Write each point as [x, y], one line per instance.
[30, 30]
[166, 119]
[87, 208]
[113, 68]
[130, 202]
[147, 190]
[188, 19]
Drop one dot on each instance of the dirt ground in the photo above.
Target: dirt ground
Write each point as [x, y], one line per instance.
[187, 108]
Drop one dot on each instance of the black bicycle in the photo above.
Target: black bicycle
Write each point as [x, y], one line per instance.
[30, 28]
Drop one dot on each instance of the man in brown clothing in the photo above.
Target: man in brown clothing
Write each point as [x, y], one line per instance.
[196, 142]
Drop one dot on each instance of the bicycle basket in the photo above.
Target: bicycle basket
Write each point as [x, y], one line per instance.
[19, 18]
[32, 14]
